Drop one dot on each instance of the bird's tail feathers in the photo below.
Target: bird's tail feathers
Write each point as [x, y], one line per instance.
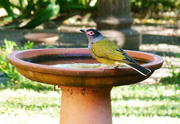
[140, 69]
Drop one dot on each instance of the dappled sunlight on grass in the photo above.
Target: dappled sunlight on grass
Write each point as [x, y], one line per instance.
[18, 102]
[146, 100]
[134, 103]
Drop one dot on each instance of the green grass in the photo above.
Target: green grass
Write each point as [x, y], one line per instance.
[146, 100]
[137, 101]
[29, 102]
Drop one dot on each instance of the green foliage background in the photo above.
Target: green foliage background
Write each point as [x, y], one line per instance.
[40, 11]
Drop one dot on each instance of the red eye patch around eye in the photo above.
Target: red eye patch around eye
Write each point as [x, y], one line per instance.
[90, 33]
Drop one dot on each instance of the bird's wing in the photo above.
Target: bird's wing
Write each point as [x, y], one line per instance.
[109, 50]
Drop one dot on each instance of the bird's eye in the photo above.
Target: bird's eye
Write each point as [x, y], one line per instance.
[90, 33]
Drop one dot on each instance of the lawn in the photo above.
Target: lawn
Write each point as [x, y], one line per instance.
[137, 103]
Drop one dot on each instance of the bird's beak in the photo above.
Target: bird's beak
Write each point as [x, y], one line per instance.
[82, 30]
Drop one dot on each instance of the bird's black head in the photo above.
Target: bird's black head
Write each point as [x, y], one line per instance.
[92, 35]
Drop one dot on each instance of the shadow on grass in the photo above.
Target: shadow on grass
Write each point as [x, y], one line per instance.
[174, 79]
[157, 39]
[145, 98]
[148, 100]
[38, 104]
[164, 53]
[139, 104]
[30, 106]
[27, 84]
[148, 111]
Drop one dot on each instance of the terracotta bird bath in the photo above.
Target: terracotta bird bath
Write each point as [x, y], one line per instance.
[85, 91]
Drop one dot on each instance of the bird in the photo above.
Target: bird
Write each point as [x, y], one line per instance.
[109, 53]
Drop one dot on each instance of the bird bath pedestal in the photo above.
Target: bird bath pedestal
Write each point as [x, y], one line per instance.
[85, 92]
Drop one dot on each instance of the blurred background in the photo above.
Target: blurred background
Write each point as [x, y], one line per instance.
[15, 12]
[147, 25]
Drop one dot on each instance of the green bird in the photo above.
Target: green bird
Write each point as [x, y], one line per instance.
[108, 53]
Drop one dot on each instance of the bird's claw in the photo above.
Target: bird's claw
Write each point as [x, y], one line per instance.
[116, 67]
[101, 68]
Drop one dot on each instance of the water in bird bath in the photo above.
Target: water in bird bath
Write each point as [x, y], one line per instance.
[71, 61]
[78, 65]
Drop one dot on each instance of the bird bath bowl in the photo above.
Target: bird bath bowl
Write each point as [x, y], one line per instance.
[85, 91]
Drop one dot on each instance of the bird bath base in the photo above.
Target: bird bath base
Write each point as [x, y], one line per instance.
[80, 105]
[85, 92]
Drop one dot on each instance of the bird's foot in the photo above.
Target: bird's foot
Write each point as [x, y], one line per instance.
[102, 67]
[116, 67]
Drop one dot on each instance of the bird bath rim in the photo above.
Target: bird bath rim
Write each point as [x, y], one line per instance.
[125, 74]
